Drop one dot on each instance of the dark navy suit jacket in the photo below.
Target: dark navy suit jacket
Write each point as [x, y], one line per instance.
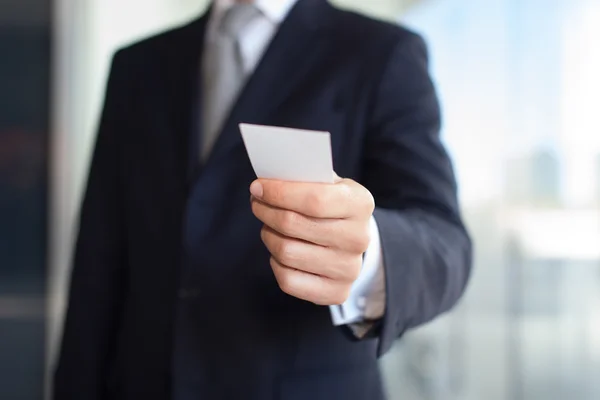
[172, 296]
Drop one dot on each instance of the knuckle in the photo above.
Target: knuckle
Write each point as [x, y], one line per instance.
[359, 243]
[346, 192]
[356, 269]
[351, 270]
[364, 241]
[315, 203]
[288, 221]
[285, 252]
[369, 202]
[286, 283]
[277, 194]
[339, 271]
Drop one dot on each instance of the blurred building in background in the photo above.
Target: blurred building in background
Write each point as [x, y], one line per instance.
[520, 91]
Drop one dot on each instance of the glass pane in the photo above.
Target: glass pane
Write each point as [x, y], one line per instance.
[518, 84]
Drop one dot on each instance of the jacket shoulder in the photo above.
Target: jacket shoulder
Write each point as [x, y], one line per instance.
[368, 33]
[157, 46]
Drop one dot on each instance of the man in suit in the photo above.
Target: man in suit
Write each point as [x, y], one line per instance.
[183, 288]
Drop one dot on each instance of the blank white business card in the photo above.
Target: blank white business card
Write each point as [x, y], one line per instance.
[289, 154]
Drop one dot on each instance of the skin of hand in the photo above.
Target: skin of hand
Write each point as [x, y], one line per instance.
[316, 234]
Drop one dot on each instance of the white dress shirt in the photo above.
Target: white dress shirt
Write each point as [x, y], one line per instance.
[367, 297]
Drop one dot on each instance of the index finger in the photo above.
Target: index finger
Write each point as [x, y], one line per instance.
[317, 200]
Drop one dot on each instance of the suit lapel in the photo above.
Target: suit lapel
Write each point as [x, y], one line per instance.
[295, 49]
[182, 89]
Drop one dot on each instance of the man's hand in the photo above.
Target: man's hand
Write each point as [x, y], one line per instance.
[316, 234]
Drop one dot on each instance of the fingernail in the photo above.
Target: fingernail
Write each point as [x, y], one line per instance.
[256, 189]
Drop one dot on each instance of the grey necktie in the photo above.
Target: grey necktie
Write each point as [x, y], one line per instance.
[223, 72]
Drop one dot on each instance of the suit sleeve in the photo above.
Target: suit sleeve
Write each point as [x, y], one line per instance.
[97, 280]
[426, 249]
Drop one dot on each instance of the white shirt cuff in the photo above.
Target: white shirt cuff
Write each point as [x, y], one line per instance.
[366, 301]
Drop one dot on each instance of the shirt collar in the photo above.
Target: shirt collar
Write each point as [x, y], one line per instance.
[274, 10]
